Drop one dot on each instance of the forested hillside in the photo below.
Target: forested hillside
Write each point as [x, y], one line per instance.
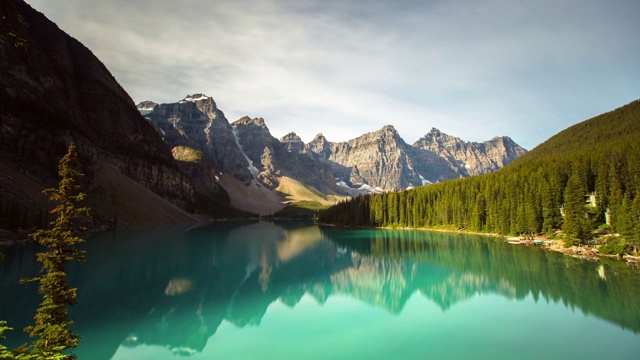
[541, 192]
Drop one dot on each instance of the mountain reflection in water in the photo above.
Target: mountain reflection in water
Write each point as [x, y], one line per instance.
[175, 288]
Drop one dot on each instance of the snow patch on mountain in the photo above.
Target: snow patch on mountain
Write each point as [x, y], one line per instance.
[369, 189]
[254, 170]
[424, 181]
[194, 98]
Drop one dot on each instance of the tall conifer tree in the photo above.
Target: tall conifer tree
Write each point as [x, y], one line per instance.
[51, 329]
[575, 225]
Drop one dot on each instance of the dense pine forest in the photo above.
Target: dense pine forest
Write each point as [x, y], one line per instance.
[585, 178]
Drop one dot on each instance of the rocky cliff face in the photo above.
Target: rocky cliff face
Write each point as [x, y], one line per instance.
[56, 92]
[471, 158]
[244, 151]
[293, 143]
[382, 160]
[276, 159]
[196, 122]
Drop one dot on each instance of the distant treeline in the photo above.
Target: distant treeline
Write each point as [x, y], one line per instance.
[546, 190]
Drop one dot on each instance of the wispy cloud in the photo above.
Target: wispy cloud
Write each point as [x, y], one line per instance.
[474, 69]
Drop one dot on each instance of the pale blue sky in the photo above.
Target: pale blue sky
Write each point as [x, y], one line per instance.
[472, 68]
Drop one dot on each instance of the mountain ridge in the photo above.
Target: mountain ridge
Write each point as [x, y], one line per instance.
[419, 164]
[471, 158]
[249, 163]
[379, 160]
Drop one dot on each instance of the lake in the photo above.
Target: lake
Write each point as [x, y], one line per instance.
[293, 290]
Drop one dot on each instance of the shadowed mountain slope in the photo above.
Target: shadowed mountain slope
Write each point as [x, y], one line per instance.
[56, 92]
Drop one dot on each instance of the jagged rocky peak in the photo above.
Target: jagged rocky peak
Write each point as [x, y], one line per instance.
[387, 132]
[203, 103]
[293, 143]
[253, 136]
[390, 129]
[435, 133]
[471, 158]
[437, 137]
[376, 159]
[245, 120]
[146, 105]
[501, 141]
[196, 98]
[383, 159]
[291, 137]
[386, 139]
[319, 141]
[247, 127]
[196, 109]
[275, 158]
[196, 122]
[319, 147]
[506, 147]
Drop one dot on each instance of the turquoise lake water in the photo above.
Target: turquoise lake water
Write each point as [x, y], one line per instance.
[293, 290]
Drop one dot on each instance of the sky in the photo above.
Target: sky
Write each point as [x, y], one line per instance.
[474, 69]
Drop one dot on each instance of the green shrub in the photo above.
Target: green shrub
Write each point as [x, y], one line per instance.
[570, 241]
[615, 245]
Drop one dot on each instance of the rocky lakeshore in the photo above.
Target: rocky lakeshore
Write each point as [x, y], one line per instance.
[588, 252]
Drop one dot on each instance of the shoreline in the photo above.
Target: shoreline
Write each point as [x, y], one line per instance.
[585, 252]
[589, 252]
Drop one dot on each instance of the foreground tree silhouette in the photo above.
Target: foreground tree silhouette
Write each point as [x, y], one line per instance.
[51, 329]
[4, 352]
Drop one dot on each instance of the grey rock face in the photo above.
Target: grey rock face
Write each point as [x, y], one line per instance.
[376, 160]
[471, 158]
[245, 149]
[196, 122]
[380, 159]
[293, 143]
[282, 157]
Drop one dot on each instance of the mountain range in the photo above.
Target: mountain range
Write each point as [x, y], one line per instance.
[244, 155]
[184, 161]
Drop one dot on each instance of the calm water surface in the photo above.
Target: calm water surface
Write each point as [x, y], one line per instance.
[297, 291]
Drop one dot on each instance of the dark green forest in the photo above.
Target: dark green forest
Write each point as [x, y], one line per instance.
[572, 182]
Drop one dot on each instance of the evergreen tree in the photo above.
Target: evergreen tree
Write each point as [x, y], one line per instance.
[51, 329]
[4, 352]
[624, 219]
[636, 221]
[575, 225]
